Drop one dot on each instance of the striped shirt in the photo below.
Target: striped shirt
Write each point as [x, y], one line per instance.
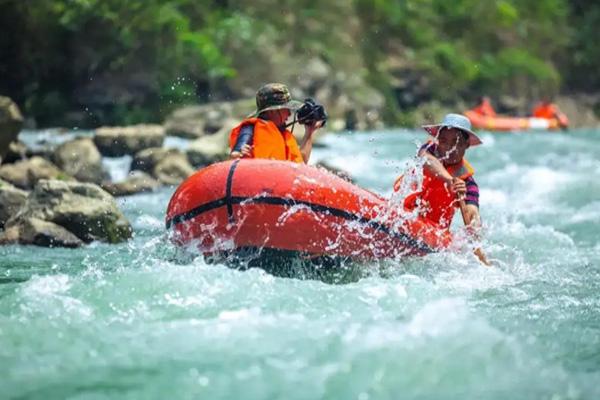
[472, 196]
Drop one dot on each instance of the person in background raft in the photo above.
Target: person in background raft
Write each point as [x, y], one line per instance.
[548, 110]
[448, 177]
[265, 134]
[484, 107]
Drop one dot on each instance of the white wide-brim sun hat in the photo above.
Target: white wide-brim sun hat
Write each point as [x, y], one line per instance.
[457, 121]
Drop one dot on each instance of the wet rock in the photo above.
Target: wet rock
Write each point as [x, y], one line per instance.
[84, 209]
[25, 174]
[315, 74]
[209, 149]
[11, 122]
[16, 151]
[193, 122]
[186, 123]
[136, 182]
[40, 233]
[146, 160]
[173, 169]
[81, 159]
[11, 201]
[120, 141]
[40, 149]
[215, 120]
[9, 235]
[169, 166]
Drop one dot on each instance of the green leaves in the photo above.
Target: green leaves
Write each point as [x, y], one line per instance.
[516, 70]
[155, 54]
[507, 14]
[466, 46]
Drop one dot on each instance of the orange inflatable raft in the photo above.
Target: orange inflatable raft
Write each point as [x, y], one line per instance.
[499, 123]
[268, 204]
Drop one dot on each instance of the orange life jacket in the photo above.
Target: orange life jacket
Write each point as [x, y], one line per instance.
[268, 141]
[550, 111]
[545, 110]
[436, 201]
[485, 108]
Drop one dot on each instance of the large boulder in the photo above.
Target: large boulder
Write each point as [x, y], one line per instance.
[186, 122]
[26, 173]
[81, 159]
[16, 151]
[84, 209]
[146, 160]
[136, 182]
[169, 166]
[193, 122]
[11, 122]
[120, 141]
[20, 151]
[40, 233]
[315, 74]
[209, 149]
[174, 169]
[215, 120]
[11, 201]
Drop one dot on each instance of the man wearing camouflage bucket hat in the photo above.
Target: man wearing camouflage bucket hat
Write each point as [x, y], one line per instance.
[264, 133]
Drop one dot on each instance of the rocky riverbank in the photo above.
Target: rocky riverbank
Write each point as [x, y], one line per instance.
[57, 193]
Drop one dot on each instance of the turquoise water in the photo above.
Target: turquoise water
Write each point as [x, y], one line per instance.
[125, 322]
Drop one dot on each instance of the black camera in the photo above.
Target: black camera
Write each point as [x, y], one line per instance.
[311, 112]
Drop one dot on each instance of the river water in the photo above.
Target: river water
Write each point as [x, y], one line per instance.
[127, 322]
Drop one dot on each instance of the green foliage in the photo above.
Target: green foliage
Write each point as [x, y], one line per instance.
[137, 51]
[61, 176]
[582, 61]
[466, 46]
[116, 61]
[516, 70]
[448, 67]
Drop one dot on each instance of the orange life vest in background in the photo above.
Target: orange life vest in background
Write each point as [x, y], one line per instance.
[268, 141]
[545, 110]
[485, 108]
[550, 111]
[436, 201]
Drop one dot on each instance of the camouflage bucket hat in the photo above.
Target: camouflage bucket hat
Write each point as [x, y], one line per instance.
[274, 96]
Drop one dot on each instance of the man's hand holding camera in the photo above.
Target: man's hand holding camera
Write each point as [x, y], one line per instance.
[312, 127]
[312, 115]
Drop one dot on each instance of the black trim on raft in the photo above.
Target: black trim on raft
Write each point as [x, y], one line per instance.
[228, 190]
[281, 201]
[211, 205]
